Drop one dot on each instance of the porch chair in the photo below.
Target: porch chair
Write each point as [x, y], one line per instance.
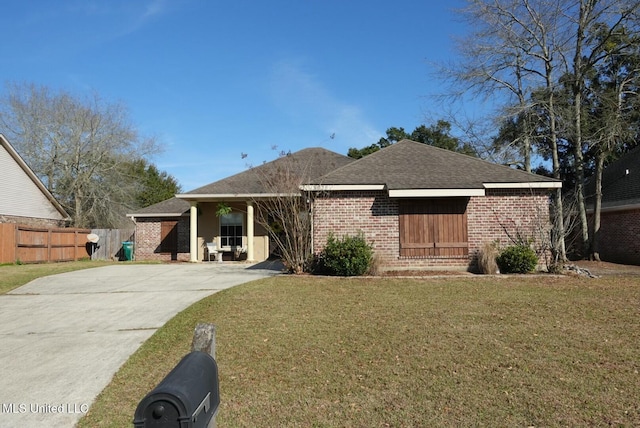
[238, 251]
[212, 248]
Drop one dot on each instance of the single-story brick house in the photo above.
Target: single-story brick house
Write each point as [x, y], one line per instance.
[418, 205]
[425, 207]
[180, 227]
[24, 199]
[620, 213]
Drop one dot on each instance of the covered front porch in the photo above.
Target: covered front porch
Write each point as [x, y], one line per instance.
[233, 230]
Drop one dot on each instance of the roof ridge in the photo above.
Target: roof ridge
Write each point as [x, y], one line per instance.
[411, 164]
[307, 163]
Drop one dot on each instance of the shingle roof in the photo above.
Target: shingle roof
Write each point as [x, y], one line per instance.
[404, 165]
[168, 208]
[411, 165]
[620, 181]
[306, 164]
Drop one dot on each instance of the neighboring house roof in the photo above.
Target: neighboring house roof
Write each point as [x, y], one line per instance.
[409, 168]
[302, 166]
[22, 194]
[173, 207]
[620, 183]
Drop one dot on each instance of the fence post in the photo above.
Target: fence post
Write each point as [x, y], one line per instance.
[16, 235]
[204, 340]
[49, 244]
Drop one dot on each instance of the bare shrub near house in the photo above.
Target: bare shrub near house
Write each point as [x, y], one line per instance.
[284, 212]
[487, 258]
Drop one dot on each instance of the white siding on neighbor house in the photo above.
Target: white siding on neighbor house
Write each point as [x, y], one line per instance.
[19, 195]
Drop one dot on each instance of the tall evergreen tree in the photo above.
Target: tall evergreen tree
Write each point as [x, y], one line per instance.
[438, 135]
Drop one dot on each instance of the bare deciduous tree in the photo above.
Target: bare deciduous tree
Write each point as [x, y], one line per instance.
[532, 51]
[285, 215]
[81, 148]
[514, 49]
[285, 210]
[613, 97]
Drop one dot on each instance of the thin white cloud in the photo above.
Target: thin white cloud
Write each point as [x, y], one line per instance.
[83, 25]
[139, 16]
[353, 129]
[126, 9]
[302, 96]
[123, 17]
[156, 7]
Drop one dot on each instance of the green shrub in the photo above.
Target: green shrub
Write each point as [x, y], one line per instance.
[517, 259]
[349, 256]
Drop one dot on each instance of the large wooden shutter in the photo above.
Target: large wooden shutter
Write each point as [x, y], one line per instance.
[169, 236]
[435, 227]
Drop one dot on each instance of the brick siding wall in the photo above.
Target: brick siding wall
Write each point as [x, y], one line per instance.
[490, 218]
[148, 234]
[618, 239]
[503, 216]
[346, 213]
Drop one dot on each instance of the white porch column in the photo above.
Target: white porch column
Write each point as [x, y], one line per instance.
[193, 232]
[249, 231]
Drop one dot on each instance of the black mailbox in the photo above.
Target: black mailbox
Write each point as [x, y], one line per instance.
[187, 397]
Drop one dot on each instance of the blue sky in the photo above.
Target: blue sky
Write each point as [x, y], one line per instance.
[213, 79]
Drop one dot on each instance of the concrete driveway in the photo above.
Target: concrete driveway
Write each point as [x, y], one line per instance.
[64, 336]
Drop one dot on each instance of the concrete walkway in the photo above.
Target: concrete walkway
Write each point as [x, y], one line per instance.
[63, 337]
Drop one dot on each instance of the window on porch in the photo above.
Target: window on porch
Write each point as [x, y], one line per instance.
[435, 227]
[231, 230]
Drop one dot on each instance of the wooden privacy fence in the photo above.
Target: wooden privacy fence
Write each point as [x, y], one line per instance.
[109, 245]
[27, 244]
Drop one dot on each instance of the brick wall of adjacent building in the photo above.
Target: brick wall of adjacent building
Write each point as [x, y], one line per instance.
[148, 234]
[500, 216]
[619, 236]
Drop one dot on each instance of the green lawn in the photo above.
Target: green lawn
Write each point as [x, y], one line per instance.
[13, 275]
[500, 351]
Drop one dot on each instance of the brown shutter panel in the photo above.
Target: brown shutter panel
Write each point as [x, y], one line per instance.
[169, 236]
[433, 227]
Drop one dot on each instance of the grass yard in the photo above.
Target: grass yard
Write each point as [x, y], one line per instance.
[13, 276]
[446, 352]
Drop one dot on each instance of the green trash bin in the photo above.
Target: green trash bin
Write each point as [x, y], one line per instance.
[127, 250]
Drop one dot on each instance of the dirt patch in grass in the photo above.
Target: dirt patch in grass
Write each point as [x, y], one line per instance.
[596, 268]
[446, 352]
[606, 268]
[425, 272]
